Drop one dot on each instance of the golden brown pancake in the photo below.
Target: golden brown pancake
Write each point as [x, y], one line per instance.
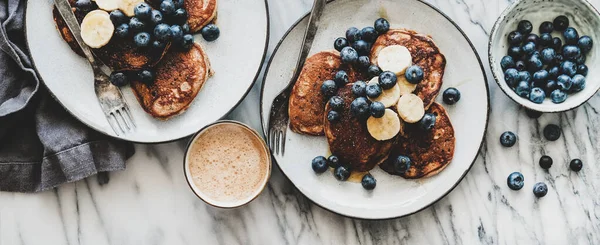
[429, 151]
[179, 77]
[424, 53]
[200, 13]
[307, 104]
[350, 140]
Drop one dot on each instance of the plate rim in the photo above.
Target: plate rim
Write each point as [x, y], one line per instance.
[487, 116]
[258, 72]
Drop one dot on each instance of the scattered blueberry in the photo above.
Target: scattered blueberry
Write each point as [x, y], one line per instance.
[528, 48]
[552, 132]
[515, 181]
[515, 38]
[333, 116]
[210, 32]
[564, 82]
[135, 25]
[545, 39]
[333, 161]
[540, 189]
[362, 47]
[576, 165]
[387, 79]
[360, 108]
[158, 45]
[119, 79]
[336, 103]
[451, 96]
[167, 7]
[353, 34]
[561, 23]
[556, 43]
[511, 76]
[548, 55]
[142, 39]
[545, 162]
[523, 89]
[162, 32]
[364, 62]
[414, 74]
[558, 96]
[374, 70]
[568, 68]
[187, 42]
[349, 55]
[341, 78]
[156, 17]
[319, 164]
[582, 70]
[532, 114]
[368, 34]
[515, 52]
[381, 25]
[341, 173]
[571, 36]
[368, 182]
[377, 109]
[401, 164]
[340, 43]
[122, 30]
[142, 11]
[179, 3]
[508, 139]
[546, 27]
[359, 89]
[524, 27]
[427, 122]
[585, 43]
[578, 83]
[176, 33]
[570, 52]
[118, 17]
[328, 88]
[374, 90]
[179, 17]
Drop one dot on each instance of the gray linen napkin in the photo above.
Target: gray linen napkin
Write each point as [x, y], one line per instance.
[41, 145]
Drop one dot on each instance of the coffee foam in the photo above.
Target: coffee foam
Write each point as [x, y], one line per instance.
[228, 165]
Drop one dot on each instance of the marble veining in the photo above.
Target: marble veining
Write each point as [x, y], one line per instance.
[150, 202]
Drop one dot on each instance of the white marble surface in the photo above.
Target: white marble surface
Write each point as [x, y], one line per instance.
[150, 203]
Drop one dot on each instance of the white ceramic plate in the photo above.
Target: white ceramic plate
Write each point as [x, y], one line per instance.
[236, 58]
[394, 196]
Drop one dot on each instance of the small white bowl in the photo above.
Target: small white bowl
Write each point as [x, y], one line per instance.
[582, 16]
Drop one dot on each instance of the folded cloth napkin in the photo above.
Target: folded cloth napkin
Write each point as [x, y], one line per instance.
[41, 145]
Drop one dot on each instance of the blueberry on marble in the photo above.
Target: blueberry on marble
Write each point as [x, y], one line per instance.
[532, 38]
[368, 182]
[585, 43]
[515, 52]
[558, 96]
[401, 164]
[520, 65]
[571, 36]
[576, 165]
[540, 189]
[582, 70]
[556, 43]
[529, 48]
[414, 74]
[561, 23]
[508, 139]
[537, 95]
[568, 68]
[515, 38]
[387, 79]
[374, 70]
[451, 96]
[548, 55]
[333, 161]
[352, 34]
[377, 109]
[333, 116]
[507, 62]
[341, 173]
[552, 132]
[340, 43]
[515, 181]
[369, 34]
[328, 88]
[523, 88]
[511, 76]
[374, 90]
[349, 55]
[524, 27]
[359, 89]
[360, 108]
[532, 113]
[564, 82]
[341, 78]
[570, 52]
[336, 103]
[545, 40]
[362, 47]
[577, 83]
[545, 162]
[381, 25]
[427, 122]
[364, 62]
[319, 164]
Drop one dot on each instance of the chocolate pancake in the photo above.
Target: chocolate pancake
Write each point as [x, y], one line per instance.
[424, 53]
[350, 140]
[430, 152]
[307, 104]
[179, 77]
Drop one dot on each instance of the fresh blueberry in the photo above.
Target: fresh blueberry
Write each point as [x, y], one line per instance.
[540, 76]
[520, 65]
[507, 62]
[333, 116]
[341, 173]
[146, 76]
[401, 164]
[364, 62]
[319, 164]
[158, 45]
[122, 30]
[546, 27]
[381, 25]
[353, 34]
[377, 109]
[374, 90]
[529, 48]
[571, 36]
[368, 34]
[387, 79]
[558, 96]
[570, 52]
[362, 47]
[532, 38]
[451, 96]
[553, 72]
[525, 27]
[359, 89]
[523, 76]
[156, 17]
[427, 122]
[180, 16]
[545, 40]
[336, 103]
[176, 33]
[582, 69]
[585, 43]
[580, 60]
[187, 42]
[568, 68]
[340, 43]
[119, 79]
[556, 43]
[374, 70]
[328, 88]
[142, 39]
[532, 114]
[118, 17]
[341, 78]
[414, 74]
[552, 132]
[210, 32]
[546, 162]
[135, 25]
[508, 139]
[333, 161]
[143, 11]
[368, 182]
[515, 52]
[550, 86]
[561, 23]
[576, 165]
[558, 59]
[515, 38]
[511, 76]
[537, 95]
[540, 189]
[578, 83]
[515, 181]
[162, 32]
[523, 88]
[84, 5]
[360, 108]
[564, 82]
[349, 55]
[548, 55]
[167, 7]
[179, 3]
[186, 28]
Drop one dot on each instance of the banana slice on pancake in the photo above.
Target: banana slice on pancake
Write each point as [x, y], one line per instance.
[97, 28]
[127, 6]
[108, 5]
[394, 58]
[410, 108]
[405, 86]
[386, 127]
[388, 97]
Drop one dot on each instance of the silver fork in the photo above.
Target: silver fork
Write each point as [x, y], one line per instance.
[111, 100]
[279, 118]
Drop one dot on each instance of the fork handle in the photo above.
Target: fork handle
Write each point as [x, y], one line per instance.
[64, 8]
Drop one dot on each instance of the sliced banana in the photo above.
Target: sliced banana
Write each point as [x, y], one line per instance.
[410, 108]
[395, 58]
[388, 97]
[384, 128]
[127, 6]
[108, 5]
[97, 28]
[405, 86]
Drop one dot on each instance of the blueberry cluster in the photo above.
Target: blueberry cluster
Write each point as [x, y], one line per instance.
[537, 67]
[85, 5]
[356, 46]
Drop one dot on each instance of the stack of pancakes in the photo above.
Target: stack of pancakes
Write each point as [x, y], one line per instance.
[179, 75]
[349, 139]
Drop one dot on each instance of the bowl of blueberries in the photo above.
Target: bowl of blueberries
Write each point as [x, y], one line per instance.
[542, 53]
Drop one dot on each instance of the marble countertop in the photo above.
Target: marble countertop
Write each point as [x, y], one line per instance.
[150, 202]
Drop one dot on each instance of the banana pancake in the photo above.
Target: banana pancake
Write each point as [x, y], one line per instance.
[350, 140]
[424, 53]
[200, 12]
[307, 104]
[430, 152]
[179, 77]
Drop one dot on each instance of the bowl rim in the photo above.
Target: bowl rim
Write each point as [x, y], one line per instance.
[511, 94]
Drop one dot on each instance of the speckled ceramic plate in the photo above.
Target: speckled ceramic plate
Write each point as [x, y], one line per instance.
[394, 196]
[237, 64]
